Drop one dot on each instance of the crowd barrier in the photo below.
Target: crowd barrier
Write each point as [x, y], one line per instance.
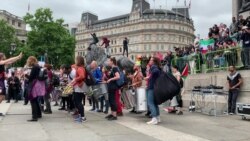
[212, 61]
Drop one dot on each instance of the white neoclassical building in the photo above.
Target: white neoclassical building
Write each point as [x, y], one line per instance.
[148, 30]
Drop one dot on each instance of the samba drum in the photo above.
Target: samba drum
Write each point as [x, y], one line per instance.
[68, 90]
[141, 100]
[100, 90]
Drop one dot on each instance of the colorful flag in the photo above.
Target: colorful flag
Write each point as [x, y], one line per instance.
[206, 44]
[184, 73]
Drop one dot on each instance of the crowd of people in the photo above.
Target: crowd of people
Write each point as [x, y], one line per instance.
[102, 85]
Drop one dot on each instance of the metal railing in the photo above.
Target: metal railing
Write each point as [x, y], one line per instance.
[212, 61]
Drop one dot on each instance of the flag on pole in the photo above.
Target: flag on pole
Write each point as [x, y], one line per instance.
[177, 0]
[190, 4]
[206, 44]
[184, 73]
[185, 2]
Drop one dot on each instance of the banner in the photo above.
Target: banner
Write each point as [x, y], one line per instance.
[205, 44]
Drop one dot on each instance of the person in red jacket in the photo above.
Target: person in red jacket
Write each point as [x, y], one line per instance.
[105, 42]
[79, 88]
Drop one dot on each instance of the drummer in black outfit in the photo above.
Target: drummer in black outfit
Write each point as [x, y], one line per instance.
[112, 88]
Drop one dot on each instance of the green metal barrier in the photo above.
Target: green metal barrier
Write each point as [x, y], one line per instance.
[211, 61]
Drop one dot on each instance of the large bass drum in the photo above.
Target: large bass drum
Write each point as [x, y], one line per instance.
[141, 100]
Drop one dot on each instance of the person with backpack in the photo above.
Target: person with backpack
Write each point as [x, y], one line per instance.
[49, 89]
[97, 75]
[36, 87]
[113, 76]
[79, 88]
[4, 62]
[154, 73]
[177, 100]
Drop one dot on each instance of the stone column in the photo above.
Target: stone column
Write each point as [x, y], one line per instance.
[235, 5]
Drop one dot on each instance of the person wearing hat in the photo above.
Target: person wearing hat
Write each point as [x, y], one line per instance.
[245, 37]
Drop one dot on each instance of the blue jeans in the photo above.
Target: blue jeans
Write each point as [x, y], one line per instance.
[154, 108]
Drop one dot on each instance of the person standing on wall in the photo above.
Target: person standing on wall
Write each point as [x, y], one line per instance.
[234, 81]
[125, 45]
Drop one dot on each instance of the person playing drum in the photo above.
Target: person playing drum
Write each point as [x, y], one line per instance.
[136, 78]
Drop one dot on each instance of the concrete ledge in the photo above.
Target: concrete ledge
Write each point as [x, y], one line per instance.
[4, 107]
[219, 79]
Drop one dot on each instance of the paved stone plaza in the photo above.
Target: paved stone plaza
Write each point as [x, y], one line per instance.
[60, 127]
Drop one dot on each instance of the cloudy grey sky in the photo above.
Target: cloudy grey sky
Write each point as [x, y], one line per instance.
[205, 13]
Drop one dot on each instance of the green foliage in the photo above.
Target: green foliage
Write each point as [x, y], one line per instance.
[7, 36]
[49, 36]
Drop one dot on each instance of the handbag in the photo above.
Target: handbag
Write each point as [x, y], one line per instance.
[68, 90]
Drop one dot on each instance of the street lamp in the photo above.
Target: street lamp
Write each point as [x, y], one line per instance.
[12, 48]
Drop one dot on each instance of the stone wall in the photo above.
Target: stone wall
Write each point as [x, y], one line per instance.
[219, 79]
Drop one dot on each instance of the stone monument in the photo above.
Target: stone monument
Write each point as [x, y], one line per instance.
[241, 7]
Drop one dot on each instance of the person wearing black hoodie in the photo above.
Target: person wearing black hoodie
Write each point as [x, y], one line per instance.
[245, 37]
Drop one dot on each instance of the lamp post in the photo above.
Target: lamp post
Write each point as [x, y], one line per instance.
[12, 48]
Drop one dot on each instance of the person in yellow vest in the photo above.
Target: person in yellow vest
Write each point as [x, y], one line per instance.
[138, 60]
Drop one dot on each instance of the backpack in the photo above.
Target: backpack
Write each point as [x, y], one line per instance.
[55, 80]
[43, 74]
[121, 81]
[90, 80]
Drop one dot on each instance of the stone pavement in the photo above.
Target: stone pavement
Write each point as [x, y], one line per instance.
[60, 127]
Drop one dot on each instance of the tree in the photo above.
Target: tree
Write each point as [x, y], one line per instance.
[48, 36]
[7, 37]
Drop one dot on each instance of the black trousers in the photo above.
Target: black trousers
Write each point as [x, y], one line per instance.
[13, 93]
[112, 101]
[47, 102]
[70, 102]
[125, 49]
[246, 57]
[36, 110]
[25, 94]
[232, 99]
[95, 103]
[78, 98]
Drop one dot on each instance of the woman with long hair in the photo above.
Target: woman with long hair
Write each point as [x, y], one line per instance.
[154, 73]
[112, 88]
[3, 62]
[79, 88]
[36, 88]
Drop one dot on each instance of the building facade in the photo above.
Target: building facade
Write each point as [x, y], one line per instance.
[149, 30]
[16, 22]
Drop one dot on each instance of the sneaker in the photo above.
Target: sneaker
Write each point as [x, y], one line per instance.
[153, 122]
[179, 113]
[231, 113]
[112, 118]
[159, 119]
[119, 114]
[47, 112]
[105, 112]
[92, 110]
[109, 116]
[81, 119]
[60, 109]
[99, 111]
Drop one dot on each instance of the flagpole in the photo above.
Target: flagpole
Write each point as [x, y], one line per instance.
[154, 8]
[166, 7]
[176, 9]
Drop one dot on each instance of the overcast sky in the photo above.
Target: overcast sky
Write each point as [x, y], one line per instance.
[205, 13]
